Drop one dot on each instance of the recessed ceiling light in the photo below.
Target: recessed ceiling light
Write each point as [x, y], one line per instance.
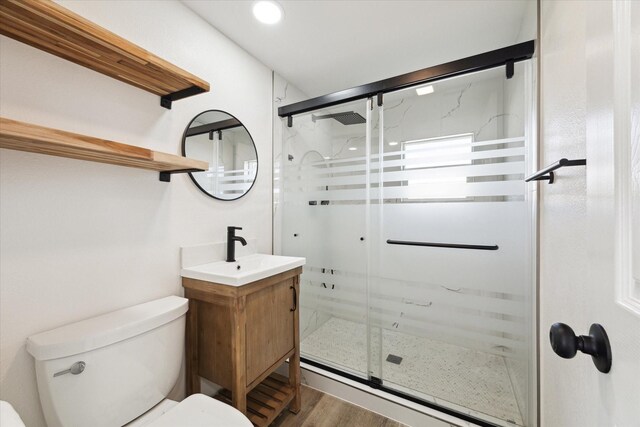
[327, 158]
[424, 90]
[393, 143]
[353, 148]
[267, 12]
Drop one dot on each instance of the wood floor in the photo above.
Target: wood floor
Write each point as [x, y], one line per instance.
[322, 410]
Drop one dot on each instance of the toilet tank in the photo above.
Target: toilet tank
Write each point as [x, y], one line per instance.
[132, 361]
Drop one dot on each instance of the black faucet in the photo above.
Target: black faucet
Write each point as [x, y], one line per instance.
[231, 243]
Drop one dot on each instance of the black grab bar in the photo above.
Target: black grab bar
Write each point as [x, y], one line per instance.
[542, 175]
[444, 245]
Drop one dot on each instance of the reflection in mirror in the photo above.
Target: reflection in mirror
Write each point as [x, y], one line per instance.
[222, 140]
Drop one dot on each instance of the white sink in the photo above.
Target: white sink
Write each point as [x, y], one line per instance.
[244, 270]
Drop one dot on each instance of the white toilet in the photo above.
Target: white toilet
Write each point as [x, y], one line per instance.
[117, 369]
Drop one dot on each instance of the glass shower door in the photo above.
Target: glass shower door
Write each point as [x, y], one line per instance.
[451, 275]
[324, 201]
[417, 228]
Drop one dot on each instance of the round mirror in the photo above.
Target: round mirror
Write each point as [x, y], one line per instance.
[221, 140]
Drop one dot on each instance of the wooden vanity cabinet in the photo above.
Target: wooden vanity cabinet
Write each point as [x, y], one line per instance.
[237, 336]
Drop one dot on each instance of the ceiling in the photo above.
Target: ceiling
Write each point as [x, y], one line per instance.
[325, 46]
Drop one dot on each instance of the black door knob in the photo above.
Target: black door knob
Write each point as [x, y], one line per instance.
[566, 344]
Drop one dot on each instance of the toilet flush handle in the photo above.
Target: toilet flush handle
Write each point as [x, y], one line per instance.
[75, 369]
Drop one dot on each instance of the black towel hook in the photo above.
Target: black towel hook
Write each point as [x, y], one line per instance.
[547, 174]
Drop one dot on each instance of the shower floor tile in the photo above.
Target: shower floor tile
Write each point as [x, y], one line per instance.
[469, 378]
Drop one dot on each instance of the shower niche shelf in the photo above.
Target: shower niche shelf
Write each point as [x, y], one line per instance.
[22, 136]
[52, 28]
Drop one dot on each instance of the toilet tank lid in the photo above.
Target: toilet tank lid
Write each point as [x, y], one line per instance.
[100, 331]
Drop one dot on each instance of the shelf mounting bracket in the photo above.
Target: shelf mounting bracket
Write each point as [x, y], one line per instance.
[167, 100]
[165, 176]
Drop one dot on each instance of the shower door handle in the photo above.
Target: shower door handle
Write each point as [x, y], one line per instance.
[295, 299]
[443, 245]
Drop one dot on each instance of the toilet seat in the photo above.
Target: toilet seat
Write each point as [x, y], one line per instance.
[199, 410]
[8, 416]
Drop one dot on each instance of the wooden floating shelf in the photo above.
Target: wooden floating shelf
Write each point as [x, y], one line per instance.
[21, 136]
[266, 400]
[52, 28]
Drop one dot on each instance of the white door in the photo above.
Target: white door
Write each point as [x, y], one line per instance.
[590, 217]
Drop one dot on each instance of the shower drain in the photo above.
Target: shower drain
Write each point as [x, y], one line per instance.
[394, 359]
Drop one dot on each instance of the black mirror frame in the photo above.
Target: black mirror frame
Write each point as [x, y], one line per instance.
[184, 140]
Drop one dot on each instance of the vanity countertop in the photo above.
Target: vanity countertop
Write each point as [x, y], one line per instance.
[244, 270]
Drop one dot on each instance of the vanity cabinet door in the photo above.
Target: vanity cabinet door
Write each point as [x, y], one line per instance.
[269, 326]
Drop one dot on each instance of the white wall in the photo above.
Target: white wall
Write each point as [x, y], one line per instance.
[79, 239]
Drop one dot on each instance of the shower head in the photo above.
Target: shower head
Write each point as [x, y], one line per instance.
[346, 118]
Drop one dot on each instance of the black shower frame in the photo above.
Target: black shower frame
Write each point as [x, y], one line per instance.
[505, 56]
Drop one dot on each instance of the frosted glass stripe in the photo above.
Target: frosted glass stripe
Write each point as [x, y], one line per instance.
[498, 141]
[469, 339]
[510, 305]
[348, 278]
[231, 187]
[292, 170]
[506, 168]
[235, 178]
[436, 335]
[491, 307]
[434, 311]
[418, 191]
[349, 281]
[426, 327]
[395, 153]
[353, 280]
[491, 169]
[232, 172]
[432, 329]
[480, 328]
